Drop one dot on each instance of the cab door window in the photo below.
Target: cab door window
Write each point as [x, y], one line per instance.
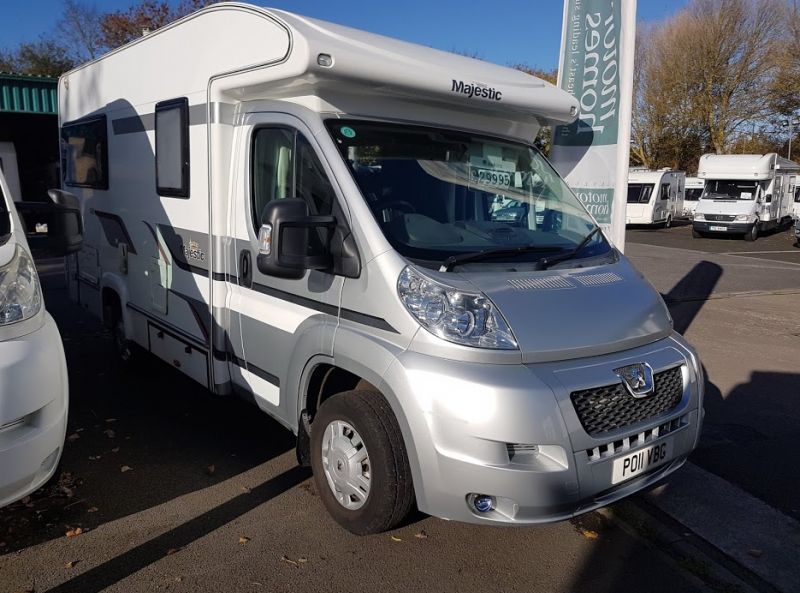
[285, 165]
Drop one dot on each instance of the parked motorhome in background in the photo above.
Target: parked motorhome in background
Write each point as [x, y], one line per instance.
[745, 194]
[655, 197]
[323, 229]
[691, 195]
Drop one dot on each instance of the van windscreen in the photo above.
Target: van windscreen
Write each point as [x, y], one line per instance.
[693, 194]
[639, 193]
[736, 189]
[442, 193]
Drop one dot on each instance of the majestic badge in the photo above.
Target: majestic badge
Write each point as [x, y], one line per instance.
[637, 379]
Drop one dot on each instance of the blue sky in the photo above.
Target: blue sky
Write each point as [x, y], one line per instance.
[526, 31]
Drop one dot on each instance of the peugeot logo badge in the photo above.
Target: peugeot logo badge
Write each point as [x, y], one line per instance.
[637, 379]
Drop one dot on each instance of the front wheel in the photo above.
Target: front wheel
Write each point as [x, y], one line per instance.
[360, 464]
[668, 222]
[752, 234]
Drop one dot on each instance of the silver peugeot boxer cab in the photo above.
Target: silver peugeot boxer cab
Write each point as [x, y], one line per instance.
[33, 370]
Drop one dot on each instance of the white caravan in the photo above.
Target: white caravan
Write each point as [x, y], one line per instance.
[744, 194]
[691, 195]
[654, 197]
[33, 373]
[355, 234]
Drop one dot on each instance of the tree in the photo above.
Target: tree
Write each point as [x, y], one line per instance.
[78, 30]
[121, 27]
[41, 58]
[544, 138]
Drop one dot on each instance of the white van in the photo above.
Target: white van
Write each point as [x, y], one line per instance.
[745, 194]
[655, 197]
[33, 373]
[355, 234]
[691, 196]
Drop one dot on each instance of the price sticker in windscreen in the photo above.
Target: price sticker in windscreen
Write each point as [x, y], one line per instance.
[491, 177]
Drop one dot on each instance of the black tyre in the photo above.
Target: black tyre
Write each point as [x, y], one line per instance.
[697, 234]
[668, 222]
[125, 349]
[360, 464]
[752, 234]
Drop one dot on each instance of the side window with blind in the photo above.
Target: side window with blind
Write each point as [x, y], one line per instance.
[285, 165]
[172, 148]
[85, 152]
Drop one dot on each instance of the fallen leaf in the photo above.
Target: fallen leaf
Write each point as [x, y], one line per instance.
[421, 535]
[71, 563]
[755, 552]
[288, 560]
[125, 468]
[246, 489]
[243, 539]
[178, 579]
[172, 551]
[26, 500]
[115, 450]
[94, 457]
[302, 560]
[110, 420]
[110, 433]
[589, 534]
[74, 532]
[91, 510]
[396, 539]
[73, 437]
[211, 469]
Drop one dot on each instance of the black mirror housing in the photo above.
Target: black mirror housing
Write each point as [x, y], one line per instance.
[285, 239]
[53, 229]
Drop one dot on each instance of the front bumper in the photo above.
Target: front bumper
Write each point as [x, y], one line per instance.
[33, 410]
[462, 421]
[733, 228]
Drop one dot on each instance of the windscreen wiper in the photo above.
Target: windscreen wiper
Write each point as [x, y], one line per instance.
[546, 262]
[455, 260]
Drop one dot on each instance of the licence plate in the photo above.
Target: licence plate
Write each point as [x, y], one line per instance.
[640, 461]
[718, 228]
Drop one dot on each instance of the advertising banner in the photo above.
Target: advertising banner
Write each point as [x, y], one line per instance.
[596, 67]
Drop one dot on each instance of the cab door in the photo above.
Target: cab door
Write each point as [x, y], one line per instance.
[277, 323]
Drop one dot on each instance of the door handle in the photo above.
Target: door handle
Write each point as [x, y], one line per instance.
[245, 269]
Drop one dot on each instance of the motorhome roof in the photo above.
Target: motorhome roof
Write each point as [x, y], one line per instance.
[694, 182]
[265, 53]
[743, 166]
[647, 176]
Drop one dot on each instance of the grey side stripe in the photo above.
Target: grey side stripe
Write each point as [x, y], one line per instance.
[147, 121]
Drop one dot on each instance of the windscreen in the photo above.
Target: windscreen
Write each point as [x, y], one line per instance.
[736, 189]
[693, 194]
[639, 193]
[441, 193]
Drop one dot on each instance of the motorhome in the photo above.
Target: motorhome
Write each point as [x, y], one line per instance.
[654, 197]
[33, 373]
[744, 194]
[314, 218]
[691, 195]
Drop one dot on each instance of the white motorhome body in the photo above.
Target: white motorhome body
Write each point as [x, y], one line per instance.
[10, 169]
[319, 219]
[691, 195]
[654, 197]
[745, 193]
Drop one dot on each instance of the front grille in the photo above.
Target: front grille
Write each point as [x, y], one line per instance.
[607, 408]
[721, 217]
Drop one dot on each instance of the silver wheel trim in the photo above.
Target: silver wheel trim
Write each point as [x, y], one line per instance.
[346, 464]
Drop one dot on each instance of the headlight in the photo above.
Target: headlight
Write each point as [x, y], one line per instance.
[745, 218]
[462, 317]
[20, 294]
[699, 216]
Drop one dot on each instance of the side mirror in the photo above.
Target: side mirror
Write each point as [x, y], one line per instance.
[53, 229]
[291, 241]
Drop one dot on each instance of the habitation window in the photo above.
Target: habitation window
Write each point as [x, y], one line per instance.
[665, 191]
[285, 166]
[85, 152]
[172, 148]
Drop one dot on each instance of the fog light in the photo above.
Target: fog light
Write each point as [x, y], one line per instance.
[483, 503]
